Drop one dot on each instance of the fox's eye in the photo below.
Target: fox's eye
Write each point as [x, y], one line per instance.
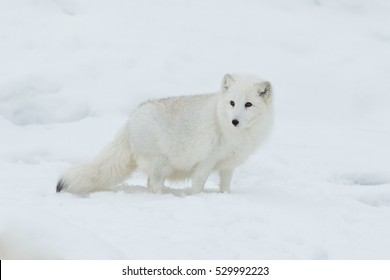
[248, 104]
[232, 103]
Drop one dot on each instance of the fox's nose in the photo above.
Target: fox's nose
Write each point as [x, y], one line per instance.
[235, 122]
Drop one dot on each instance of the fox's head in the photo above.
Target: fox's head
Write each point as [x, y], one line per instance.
[244, 100]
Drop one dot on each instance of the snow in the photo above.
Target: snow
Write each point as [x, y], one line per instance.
[72, 71]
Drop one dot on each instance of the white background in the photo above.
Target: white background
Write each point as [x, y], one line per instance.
[72, 71]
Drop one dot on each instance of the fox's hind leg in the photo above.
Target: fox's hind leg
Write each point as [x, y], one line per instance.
[160, 170]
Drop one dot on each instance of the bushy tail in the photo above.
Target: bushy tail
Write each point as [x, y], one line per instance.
[109, 168]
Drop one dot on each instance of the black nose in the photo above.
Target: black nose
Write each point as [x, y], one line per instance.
[235, 122]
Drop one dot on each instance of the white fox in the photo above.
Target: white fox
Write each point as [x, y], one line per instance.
[185, 137]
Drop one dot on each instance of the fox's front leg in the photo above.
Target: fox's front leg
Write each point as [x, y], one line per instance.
[200, 175]
[225, 177]
[198, 182]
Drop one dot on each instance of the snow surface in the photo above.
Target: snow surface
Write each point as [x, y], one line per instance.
[72, 71]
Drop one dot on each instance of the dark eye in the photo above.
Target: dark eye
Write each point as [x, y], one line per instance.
[248, 104]
[232, 103]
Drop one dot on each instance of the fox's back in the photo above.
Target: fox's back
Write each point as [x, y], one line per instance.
[184, 128]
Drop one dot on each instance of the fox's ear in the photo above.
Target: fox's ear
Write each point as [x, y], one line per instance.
[264, 88]
[227, 82]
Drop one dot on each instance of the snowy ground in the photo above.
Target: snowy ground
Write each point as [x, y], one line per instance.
[72, 71]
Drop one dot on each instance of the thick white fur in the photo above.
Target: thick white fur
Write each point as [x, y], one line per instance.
[185, 137]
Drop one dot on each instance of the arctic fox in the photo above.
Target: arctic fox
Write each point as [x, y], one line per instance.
[185, 137]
